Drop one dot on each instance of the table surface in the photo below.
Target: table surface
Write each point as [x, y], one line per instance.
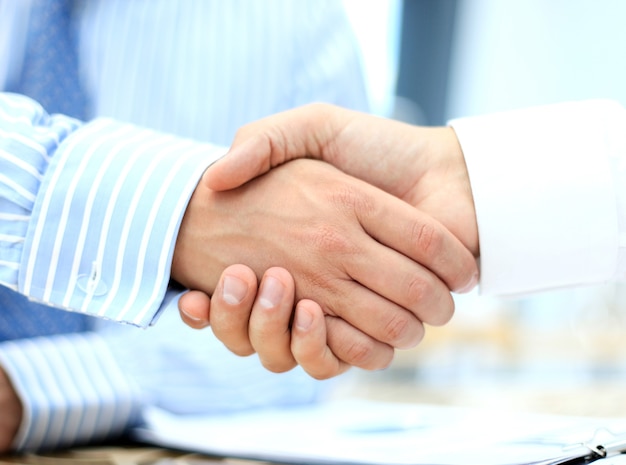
[604, 398]
[121, 455]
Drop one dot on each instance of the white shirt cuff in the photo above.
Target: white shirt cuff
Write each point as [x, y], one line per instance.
[544, 193]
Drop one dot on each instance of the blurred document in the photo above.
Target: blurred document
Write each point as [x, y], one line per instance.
[373, 433]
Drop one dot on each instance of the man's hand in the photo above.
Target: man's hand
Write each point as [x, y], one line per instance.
[10, 413]
[268, 324]
[350, 247]
[423, 166]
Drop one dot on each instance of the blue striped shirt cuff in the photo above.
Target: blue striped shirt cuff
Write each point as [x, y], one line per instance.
[107, 200]
[66, 395]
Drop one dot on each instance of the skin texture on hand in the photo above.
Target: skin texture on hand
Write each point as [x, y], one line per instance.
[349, 246]
[10, 413]
[283, 336]
[421, 165]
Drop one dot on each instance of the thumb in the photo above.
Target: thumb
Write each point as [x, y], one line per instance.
[244, 161]
[194, 308]
[272, 141]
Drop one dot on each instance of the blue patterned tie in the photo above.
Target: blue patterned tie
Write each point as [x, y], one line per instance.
[50, 68]
[50, 76]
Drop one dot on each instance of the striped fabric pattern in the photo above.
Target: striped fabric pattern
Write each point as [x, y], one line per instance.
[85, 209]
[28, 137]
[62, 245]
[72, 389]
[204, 68]
[105, 221]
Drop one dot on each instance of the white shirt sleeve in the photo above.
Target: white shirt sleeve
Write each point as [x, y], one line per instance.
[548, 187]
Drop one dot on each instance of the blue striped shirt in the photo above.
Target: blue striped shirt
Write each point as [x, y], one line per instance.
[89, 212]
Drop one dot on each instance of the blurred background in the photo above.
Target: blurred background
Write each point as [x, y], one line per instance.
[431, 60]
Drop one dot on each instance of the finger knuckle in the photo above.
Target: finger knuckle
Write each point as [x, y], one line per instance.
[430, 300]
[428, 239]
[358, 200]
[397, 328]
[418, 289]
[360, 353]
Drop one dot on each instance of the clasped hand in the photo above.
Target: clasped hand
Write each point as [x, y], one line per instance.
[369, 260]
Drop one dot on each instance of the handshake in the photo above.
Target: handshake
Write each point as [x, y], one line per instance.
[357, 227]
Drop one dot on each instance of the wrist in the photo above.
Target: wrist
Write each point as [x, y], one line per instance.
[445, 173]
[460, 171]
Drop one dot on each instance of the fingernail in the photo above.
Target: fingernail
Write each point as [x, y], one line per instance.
[303, 320]
[198, 322]
[271, 292]
[470, 285]
[190, 316]
[234, 290]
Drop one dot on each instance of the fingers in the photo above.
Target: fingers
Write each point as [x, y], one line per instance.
[230, 308]
[194, 308]
[423, 239]
[326, 346]
[355, 347]
[244, 320]
[272, 141]
[281, 345]
[248, 322]
[407, 296]
[308, 343]
[351, 247]
[259, 322]
[270, 321]
[381, 319]
[243, 162]
[389, 286]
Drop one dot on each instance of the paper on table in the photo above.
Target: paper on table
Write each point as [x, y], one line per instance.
[364, 432]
